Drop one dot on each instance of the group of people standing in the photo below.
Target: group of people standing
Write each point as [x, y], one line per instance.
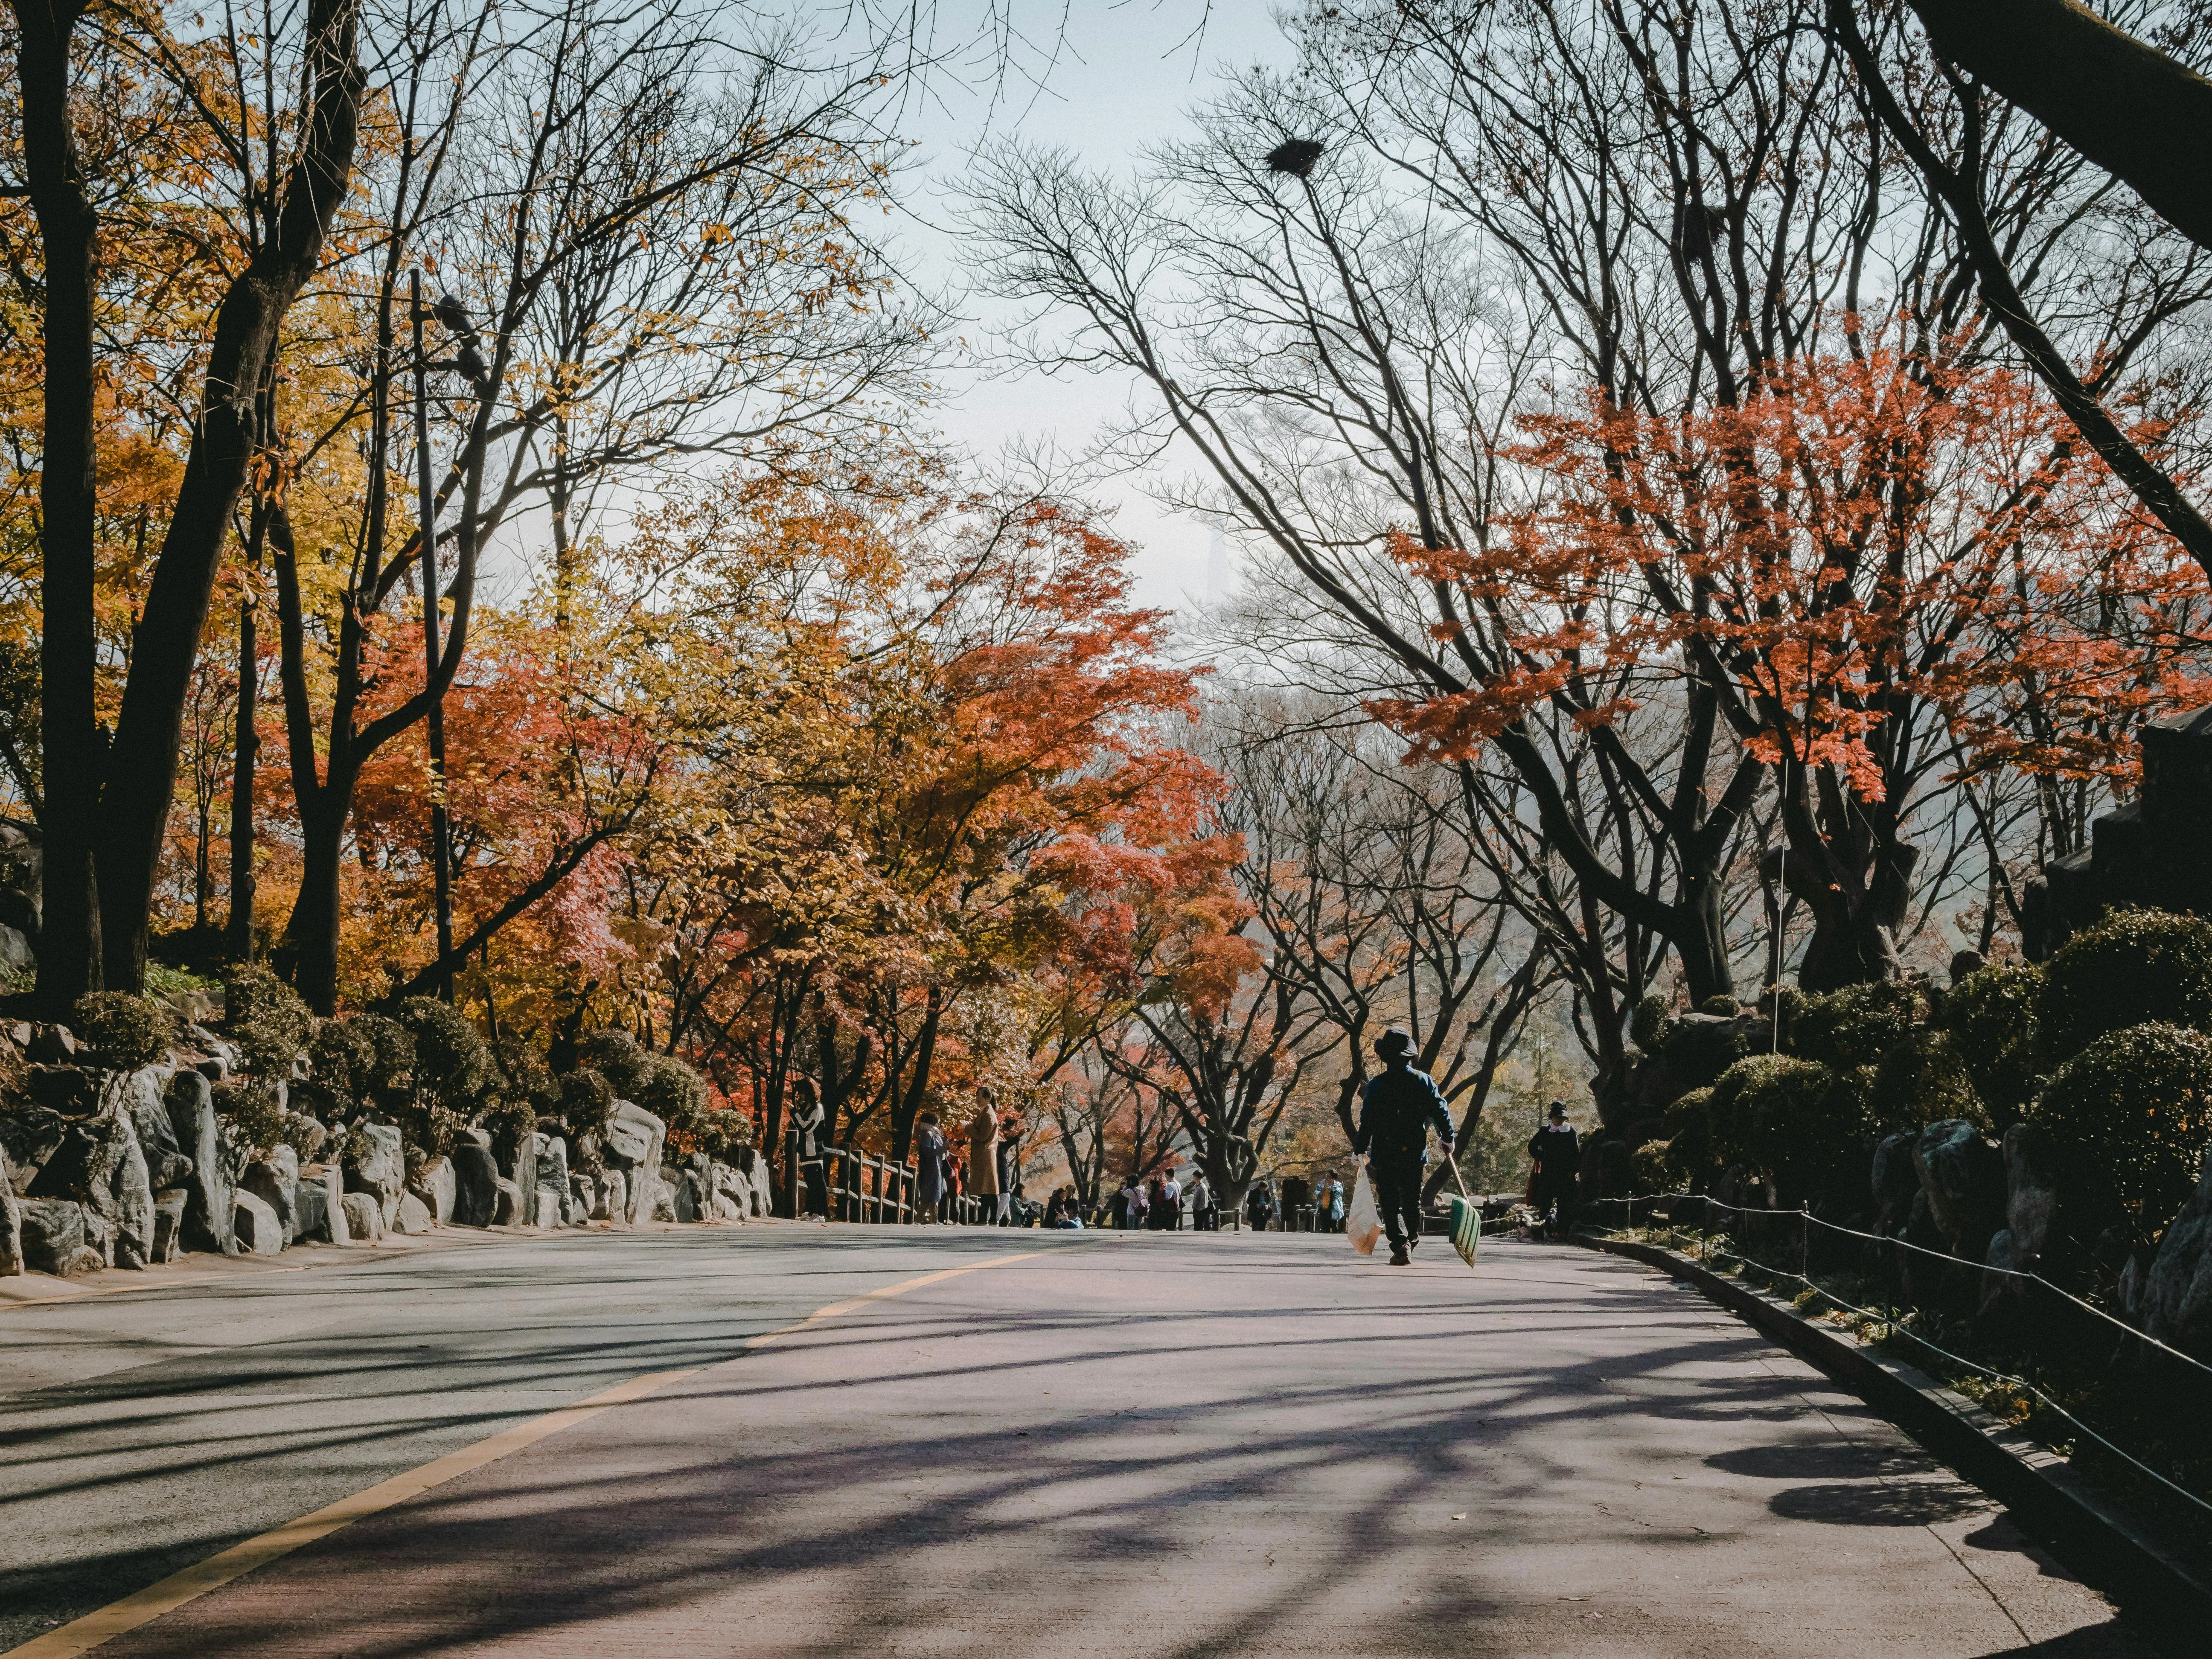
[989, 1171]
[1158, 1205]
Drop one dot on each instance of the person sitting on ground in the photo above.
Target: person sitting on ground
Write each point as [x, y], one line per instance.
[1397, 1109]
[1556, 1152]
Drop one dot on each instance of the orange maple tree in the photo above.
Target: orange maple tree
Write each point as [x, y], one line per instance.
[1884, 567]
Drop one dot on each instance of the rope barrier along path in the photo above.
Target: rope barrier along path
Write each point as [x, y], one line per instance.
[1891, 1328]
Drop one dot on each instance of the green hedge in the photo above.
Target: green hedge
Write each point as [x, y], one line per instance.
[126, 1031]
[2123, 1127]
[1853, 1027]
[1993, 1016]
[2134, 968]
[1809, 1125]
[266, 1018]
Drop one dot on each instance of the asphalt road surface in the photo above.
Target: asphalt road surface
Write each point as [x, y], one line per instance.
[1116, 1445]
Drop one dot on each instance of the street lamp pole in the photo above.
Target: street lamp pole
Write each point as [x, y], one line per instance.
[426, 515]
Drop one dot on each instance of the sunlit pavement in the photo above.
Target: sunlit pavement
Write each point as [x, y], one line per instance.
[1124, 1445]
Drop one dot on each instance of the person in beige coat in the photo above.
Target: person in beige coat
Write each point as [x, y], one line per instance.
[983, 1150]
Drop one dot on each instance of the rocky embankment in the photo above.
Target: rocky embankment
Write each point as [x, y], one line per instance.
[106, 1167]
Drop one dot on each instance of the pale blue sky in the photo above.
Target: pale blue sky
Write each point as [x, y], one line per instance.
[1115, 77]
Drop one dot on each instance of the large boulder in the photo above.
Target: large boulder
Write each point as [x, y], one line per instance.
[410, 1216]
[523, 1172]
[167, 1164]
[258, 1229]
[507, 1203]
[11, 1225]
[2030, 1200]
[1896, 1184]
[29, 1135]
[753, 1166]
[198, 1133]
[99, 1163]
[630, 1141]
[375, 1162]
[53, 1235]
[169, 1223]
[52, 1045]
[2175, 1302]
[433, 1182]
[273, 1180]
[609, 1196]
[364, 1217]
[320, 1199]
[475, 1184]
[553, 1179]
[1964, 1178]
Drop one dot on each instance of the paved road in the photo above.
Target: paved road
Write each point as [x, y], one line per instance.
[1121, 1445]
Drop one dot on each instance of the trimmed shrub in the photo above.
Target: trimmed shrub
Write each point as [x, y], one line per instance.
[451, 1065]
[1727, 1007]
[2134, 968]
[1809, 1126]
[1921, 1080]
[677, 1095]
[1647, 1026]
[663, 1085]
[1650, 1169]
[1689, 1127]
[126, 1031]
[1853, 1027]
[360, 1062]
[251, 1109]
[581, 1101]
[1991, 1017]
[266, 1018]
[2123, 1127]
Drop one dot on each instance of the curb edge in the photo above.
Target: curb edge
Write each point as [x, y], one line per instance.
[2110, 1548]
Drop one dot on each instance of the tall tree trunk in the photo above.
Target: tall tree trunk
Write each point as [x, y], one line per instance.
[238, 934]
[2126, 105]
[70, 735]
[143, 768]
[313, 935]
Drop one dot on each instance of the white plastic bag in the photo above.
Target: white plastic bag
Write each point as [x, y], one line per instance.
[1363, 1222]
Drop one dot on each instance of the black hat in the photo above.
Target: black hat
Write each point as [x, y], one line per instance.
[1559, 1108]
[1394, 1041]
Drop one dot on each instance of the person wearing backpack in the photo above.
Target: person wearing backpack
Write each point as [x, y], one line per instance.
[1397, 1109]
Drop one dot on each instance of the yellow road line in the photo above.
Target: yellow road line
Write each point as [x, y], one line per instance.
[105, 1623]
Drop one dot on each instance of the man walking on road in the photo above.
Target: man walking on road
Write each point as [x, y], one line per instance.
[1556, 1152]
[1396, 1111]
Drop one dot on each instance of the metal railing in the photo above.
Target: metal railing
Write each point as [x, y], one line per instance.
[2029, 1349]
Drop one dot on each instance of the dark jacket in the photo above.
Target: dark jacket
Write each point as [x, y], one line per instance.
[1557, 1153]
[1396, 1111]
